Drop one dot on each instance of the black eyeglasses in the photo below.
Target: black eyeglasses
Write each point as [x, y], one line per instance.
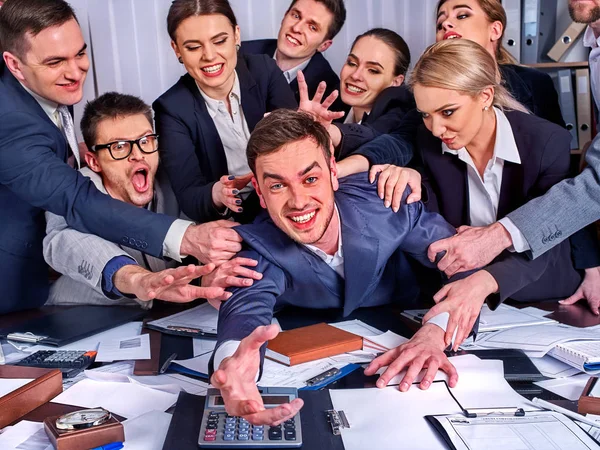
[122, 149]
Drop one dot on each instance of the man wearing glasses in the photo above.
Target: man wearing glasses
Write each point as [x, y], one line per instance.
[123, 163]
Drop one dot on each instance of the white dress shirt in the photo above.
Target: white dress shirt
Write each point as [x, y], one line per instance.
[174, 237]
[292, 74]
[350, 117]
[590, 40]
[484, 192]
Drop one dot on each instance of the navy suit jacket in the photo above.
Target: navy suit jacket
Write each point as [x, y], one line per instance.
[317, 70]
[544, 162]
[191, 150]
[375, 245]
[393, 112]
[535, 90]
[35, 177]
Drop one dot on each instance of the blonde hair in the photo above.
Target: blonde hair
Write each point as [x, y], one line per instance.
[494, 12]
[463, 66]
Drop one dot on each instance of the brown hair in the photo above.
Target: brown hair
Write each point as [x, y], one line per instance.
[281, 127]
[183, 9]
[111, 105]
[335, 7]
[395, 42]
[464, 66]
[19, 17]
[494, 12]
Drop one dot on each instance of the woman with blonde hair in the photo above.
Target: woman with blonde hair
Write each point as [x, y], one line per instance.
[484, 22]
[483, 156]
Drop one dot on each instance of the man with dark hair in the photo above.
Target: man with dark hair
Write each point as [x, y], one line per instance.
[324, 244]
[44, 66]
[307, 29]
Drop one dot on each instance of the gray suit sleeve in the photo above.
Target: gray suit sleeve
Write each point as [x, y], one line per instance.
[565, 209]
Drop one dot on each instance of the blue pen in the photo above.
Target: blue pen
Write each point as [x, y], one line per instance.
[111, 446]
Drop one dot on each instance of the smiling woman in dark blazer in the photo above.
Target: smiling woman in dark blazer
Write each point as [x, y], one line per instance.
[484, 156]
[205, 119]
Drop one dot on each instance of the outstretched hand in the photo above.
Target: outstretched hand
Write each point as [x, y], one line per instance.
[233, 273]
[319, 110]
[236, 378]
[588, 290]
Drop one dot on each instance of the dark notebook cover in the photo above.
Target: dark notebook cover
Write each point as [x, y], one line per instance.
[73, 324]
[517, 365]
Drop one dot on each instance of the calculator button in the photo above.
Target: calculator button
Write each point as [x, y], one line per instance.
[243, 437]
[275, 434]
[258, 437]
[211, 426]
[210, 437]
[229, 437]
[259, 427]
[211, 432]
[290, 435]
[287, 425]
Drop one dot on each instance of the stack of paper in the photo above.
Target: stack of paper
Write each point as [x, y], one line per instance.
[383, 342]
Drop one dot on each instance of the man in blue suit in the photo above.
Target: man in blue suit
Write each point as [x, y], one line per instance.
[321, 250]
[307, 29]
[42, 73]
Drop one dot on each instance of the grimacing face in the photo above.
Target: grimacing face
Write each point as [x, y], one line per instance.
[303, 30]
[207, 47]
[130, 180]
[296, 185]
[584, 11]
[369, 69]
[465, 19]
[451, 116]
[56, 65]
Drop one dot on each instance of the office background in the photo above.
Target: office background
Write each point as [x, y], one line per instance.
[131, 53]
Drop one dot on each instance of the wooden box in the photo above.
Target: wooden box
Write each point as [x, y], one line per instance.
[111, 431]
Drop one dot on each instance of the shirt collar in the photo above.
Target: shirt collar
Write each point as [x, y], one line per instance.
[339, 252]
[292, 74]
[213, 105]
[589, 38]
[505, 146]
[48, 106]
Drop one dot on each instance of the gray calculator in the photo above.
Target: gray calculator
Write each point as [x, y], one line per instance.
[220, 430]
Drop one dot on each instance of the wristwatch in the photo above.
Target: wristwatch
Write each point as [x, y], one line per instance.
[84, 418]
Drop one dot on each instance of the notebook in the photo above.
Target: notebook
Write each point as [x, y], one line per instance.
[584, 355]
[311, 343]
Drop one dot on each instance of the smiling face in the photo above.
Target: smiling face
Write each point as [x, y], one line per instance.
[296, 185]
[304, 30]
[584, 11]
[207, 47]
[130, 180]
[369, 69]
[466, 19]
[56, 65]
[451, 116]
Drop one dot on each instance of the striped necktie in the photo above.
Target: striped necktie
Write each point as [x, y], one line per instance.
[69, 132]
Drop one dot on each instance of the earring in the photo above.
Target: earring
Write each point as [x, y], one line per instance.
[237, 47]
[180, 59]
[485, 108]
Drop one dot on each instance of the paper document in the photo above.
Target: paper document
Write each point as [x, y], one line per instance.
[146, 432]
[188, 384]
[534, 431]
[198, 365]
[199, 320]
[25, 435]
[124, 349]
[569, 388]
[553, 368]
[125, 399]
[202, 346]
[8, 385]
[357, 327]
[592, 431]
[383, 342]
[123, 367]
[279, 375]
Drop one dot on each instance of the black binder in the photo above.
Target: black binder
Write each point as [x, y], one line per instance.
[73, 324]
[316, 431]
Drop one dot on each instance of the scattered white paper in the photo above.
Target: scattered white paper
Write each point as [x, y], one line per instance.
[198, 364]
[8, 385]
[123, 367]
[592, 431]
[25, 435]
[357, 327]
[553, 368]
[124, 349]
[569, 388]
[125, 399]
[92, 342]
[203, 317]
[355, 357]
[385, 341]
[279, 375]
[188, 384]
[146, 432]
[537, 312]
[202, 346]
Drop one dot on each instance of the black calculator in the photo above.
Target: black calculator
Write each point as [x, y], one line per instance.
[69, 362]
[220, 430]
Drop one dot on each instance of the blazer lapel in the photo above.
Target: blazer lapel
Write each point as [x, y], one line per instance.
[252, 103]
[511, 191]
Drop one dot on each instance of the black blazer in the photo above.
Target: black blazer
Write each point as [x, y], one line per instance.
[535, 90]
[191, 150]
[317, 70]
[544, 162]
[393, 112]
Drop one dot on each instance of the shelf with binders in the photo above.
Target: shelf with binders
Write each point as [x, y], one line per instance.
[572, 83]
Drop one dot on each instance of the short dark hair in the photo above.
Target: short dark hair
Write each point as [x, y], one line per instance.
[183, 9]
[281, 127]
[111, 105]
[394, 41]
[19, 17]
[335, 7]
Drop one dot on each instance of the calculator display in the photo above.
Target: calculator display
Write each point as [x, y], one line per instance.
[267, 400]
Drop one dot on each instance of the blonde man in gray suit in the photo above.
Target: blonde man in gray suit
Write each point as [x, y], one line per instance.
[123, 162]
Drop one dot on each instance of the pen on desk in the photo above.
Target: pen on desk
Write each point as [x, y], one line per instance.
[111, 446]
[169, 360]
[559, 409]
